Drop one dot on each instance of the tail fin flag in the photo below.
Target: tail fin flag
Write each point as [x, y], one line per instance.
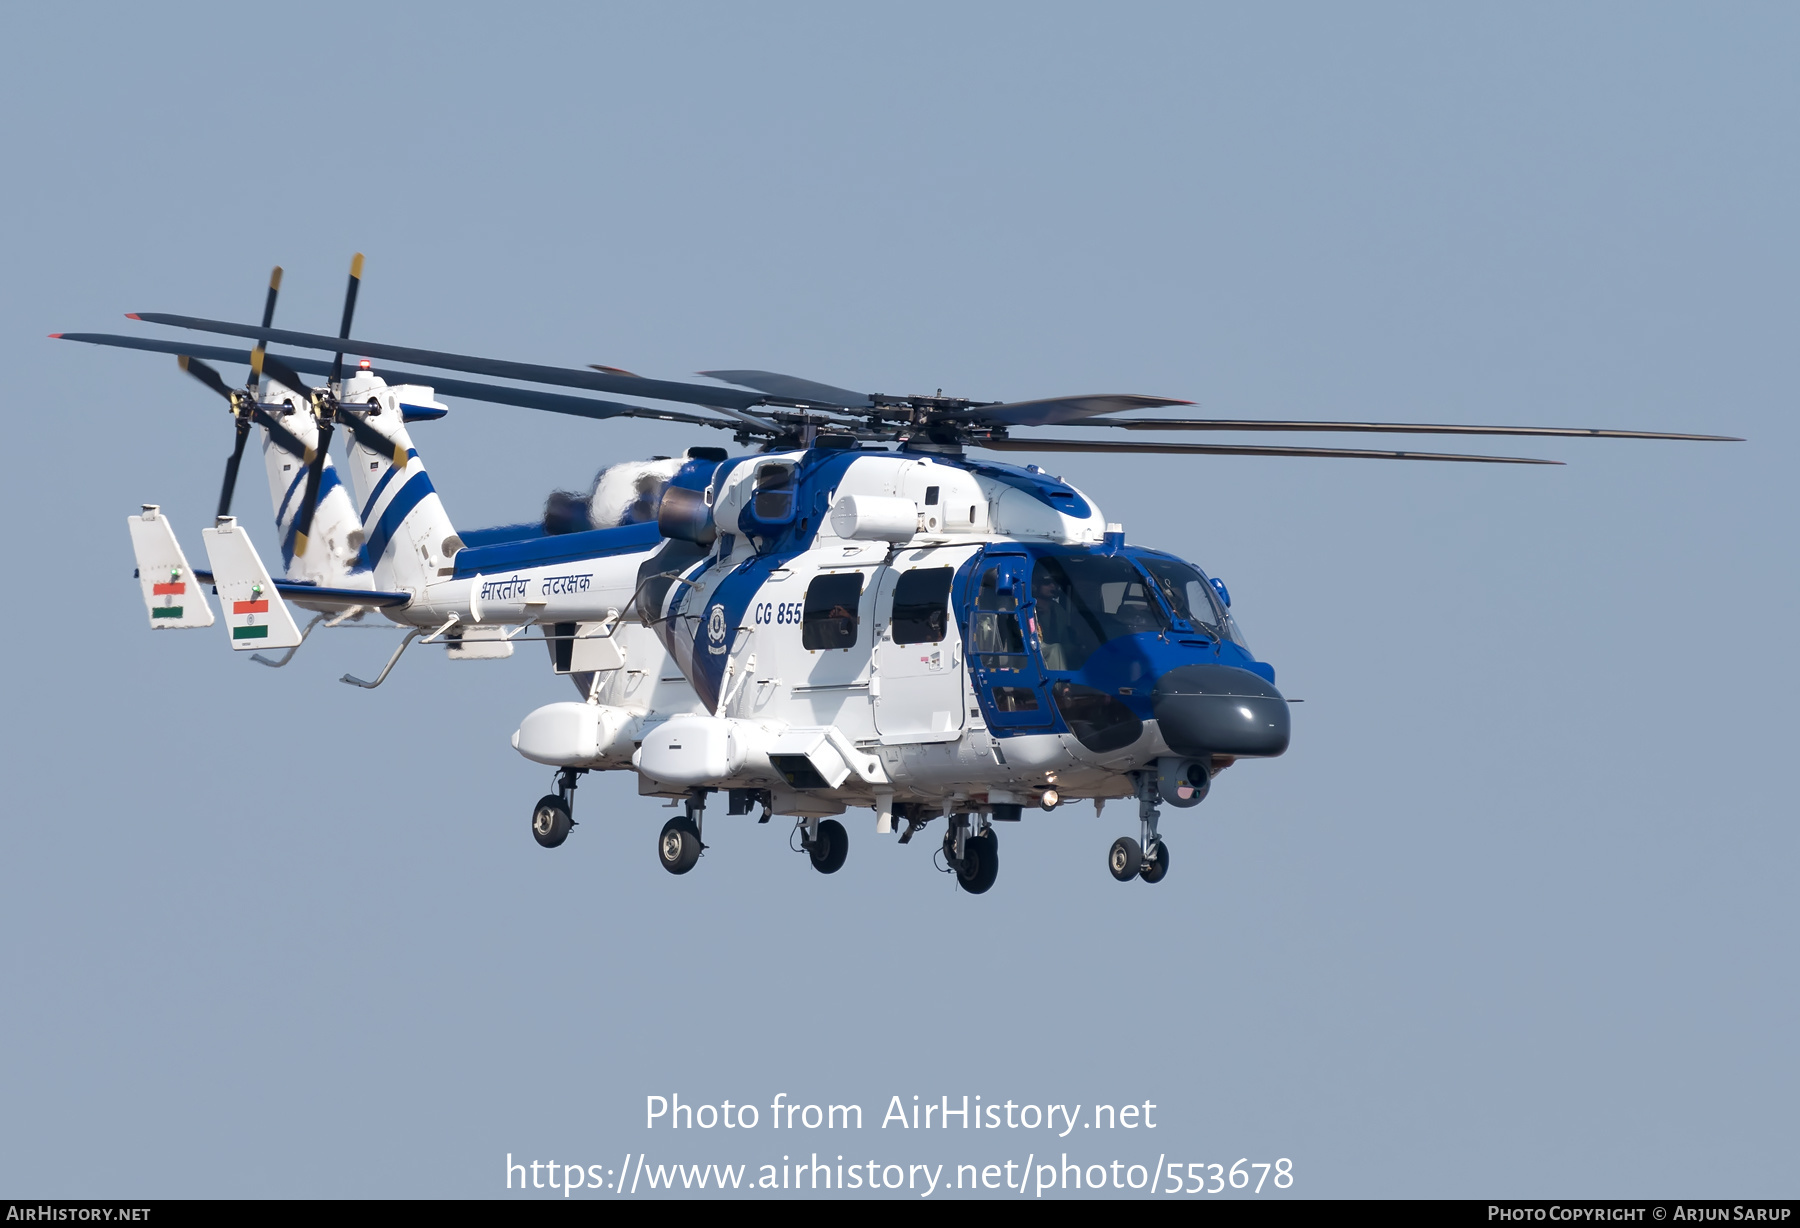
[171, 594]
[255, 614]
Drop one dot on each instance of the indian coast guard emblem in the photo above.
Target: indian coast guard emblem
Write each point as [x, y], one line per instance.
[715, 629]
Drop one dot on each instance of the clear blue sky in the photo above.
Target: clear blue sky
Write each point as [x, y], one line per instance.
[1514, 916]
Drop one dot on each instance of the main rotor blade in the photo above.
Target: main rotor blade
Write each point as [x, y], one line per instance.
[749, 419]
[337, 359]
[792, 387]
[1389, 428]
[205, 374]
[1231, 449]
[599, 381]
[529, 398]
[1053, 410]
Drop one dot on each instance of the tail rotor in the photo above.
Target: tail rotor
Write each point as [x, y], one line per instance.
[327, 411]
[242, 401]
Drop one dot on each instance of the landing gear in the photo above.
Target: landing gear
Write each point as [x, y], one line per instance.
[1156, 863]
[973, 856]
[679, 846]
[1149, 860]
[554, 815]
[1125, 859]
[829, 847]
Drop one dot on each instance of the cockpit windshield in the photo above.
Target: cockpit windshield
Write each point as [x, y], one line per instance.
[1086, 600]
[1192, 597]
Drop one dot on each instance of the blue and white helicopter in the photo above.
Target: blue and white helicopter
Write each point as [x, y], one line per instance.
[860, 613]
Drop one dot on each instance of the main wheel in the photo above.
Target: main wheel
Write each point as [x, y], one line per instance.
[1125, 859]
[830, 849]
[1156, 868]
[551, 821]
[980, 865]
[678, 848]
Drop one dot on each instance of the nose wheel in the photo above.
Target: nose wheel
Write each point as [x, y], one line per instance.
[1149, 860]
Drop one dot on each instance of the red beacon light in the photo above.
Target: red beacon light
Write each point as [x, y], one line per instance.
[363, 365]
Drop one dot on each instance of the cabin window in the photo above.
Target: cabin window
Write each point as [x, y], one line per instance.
[922, 606]
[832, 610]
[1086, 600]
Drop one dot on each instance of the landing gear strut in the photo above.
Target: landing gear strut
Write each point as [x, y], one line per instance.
[679, 846]
[1147, 858]
[826, 842]
[973, 855]
[554, 815]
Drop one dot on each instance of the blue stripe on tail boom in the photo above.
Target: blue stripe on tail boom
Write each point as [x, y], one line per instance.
[381, 535]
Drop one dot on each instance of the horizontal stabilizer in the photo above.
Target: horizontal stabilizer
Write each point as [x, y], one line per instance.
[328, 600]
[172, 590]
[254, 611]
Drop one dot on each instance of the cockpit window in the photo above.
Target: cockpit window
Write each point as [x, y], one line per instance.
[1193, 597]
[1084, 601]
[1187, 593]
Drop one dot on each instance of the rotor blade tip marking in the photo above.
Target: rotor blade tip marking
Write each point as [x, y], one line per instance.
[356, 263]
[132, 315]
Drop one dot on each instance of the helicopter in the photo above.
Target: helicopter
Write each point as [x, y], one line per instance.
[859, 612]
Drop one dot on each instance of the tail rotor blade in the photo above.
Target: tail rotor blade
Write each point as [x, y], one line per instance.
[314, 472]
[269, 303]
[337, 361]
[371, 438]
[256, 356]
[205, 374]
[231, 465]
[281, 373]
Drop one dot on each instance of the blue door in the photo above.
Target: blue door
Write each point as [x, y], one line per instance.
[1003, 661]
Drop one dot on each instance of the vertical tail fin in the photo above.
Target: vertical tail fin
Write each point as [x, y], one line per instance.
[335, 555]
[172, 596]
[410, 541]
[254, 612]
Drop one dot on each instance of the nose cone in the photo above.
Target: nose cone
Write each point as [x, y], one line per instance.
[1220, 710]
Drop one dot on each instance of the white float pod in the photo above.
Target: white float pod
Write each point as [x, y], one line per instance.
[572, 734]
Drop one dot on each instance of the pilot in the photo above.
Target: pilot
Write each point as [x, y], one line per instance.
[1053, 625]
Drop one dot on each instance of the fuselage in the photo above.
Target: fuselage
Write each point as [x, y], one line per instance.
[841, 627]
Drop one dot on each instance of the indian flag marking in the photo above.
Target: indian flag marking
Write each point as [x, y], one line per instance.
[168, 590]
[250, 607]
[249, 633]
